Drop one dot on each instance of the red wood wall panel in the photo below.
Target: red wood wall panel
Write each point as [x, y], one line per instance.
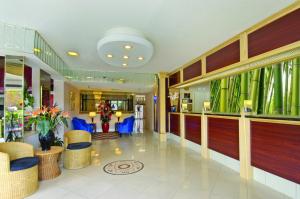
[193, 128]
[174, 79]
[168, 104]
[192, 71]
[175, 124]
[281, 32]
[275, 148]
[228, 55]
[2, 62]
[28, 76]
[223, 136]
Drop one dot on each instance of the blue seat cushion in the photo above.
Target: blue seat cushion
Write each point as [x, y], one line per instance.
[79, 145]
[23, 163]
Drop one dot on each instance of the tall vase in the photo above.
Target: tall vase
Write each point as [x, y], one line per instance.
[105, 127]
[47, 140]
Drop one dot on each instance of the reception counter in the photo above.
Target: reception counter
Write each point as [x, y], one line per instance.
[256, 146]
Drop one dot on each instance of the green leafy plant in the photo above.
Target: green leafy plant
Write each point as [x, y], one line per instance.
[48, 118]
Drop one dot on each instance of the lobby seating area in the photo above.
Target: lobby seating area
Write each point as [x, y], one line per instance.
[150, 100]
[77, 149]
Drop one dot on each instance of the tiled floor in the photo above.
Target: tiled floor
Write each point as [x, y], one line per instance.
[170, 172]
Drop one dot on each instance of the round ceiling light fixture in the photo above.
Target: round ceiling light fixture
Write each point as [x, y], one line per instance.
[125, 43]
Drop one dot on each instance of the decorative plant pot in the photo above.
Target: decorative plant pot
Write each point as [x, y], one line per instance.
[47, 140]
[105, 127]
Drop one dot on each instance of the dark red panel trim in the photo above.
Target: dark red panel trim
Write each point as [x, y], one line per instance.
[281, 32]
[2, 62]
[175, 124]
[223, 136]
[168, 104]
[28, 77]
[275, 148]
[192, 71]
[193, 128]
[174, 79]
[226, 56]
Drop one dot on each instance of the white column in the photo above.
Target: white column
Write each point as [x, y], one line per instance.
[59, 99]
[58, 91]
[36, 87]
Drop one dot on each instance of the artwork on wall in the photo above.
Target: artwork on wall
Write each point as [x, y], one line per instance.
[272, 90]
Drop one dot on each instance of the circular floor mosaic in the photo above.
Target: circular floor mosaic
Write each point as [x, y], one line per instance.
[123, 167]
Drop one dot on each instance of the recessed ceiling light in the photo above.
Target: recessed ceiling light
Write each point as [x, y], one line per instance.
[124, 64]
[89, 77]
[73, 53]
[125, 57]
[127, 47]
[37, 50]
[140, 58]
[109, 55]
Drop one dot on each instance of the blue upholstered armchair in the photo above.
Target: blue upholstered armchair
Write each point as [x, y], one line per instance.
[80, 124]
[126, 127]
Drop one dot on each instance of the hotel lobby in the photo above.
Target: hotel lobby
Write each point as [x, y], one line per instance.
[150, 99]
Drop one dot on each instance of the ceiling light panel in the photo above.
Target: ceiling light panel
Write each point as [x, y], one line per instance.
[125, 44]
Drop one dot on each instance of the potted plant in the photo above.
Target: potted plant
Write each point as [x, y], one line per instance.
[47, 120]
[105, 115]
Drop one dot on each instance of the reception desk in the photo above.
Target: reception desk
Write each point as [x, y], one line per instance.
[192, 123]
[175, 123]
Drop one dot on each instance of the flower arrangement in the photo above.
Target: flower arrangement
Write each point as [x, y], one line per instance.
[48, 119]
[105, 111]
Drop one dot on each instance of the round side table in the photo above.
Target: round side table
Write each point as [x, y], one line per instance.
[48, 162]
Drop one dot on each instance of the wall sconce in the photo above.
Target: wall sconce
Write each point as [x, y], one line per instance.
[206, 106]
[247, 106]
[92, 115]
[118, 114]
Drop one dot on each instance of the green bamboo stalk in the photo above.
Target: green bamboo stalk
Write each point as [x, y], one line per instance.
[254, 89]
[261, 90]
[244, 88]
[223, 97]
[290, 88]
[286, 88]
[295, 87]
[216, 96]
[269, 102]
[269, 75]
[278, 98]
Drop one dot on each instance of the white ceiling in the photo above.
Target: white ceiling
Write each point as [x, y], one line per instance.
[180, 30]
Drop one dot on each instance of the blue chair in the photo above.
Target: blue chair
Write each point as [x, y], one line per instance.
[125, 127]
[80, 124]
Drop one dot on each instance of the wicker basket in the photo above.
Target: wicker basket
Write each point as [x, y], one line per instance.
[16, 184]
[76, 159]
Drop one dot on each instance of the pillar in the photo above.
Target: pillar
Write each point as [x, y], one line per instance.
[204, 137]
[246, 170]
[162, 105]
[36, 87]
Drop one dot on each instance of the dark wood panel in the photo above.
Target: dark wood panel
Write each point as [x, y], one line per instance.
[175, 124]
[275, 148]
[281, 32]
[193, 128]
[174, 79]
[168, 104]
[192, 71]
[2, 62]
[223, 136]
[28, 77]
[226, 56]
